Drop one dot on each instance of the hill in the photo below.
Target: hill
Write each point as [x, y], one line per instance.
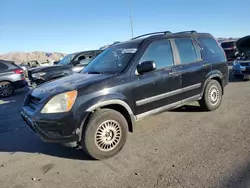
[19, 57]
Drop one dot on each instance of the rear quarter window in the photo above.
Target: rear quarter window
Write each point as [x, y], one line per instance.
[189, 52]
[3, 67]
[8, 66]
[214, 50]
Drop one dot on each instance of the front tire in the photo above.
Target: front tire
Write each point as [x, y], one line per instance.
[105, 134]
[6, 89]
[212, 96]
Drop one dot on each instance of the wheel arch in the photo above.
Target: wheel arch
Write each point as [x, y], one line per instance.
[11, 82]
[118, 105]
[215, 75]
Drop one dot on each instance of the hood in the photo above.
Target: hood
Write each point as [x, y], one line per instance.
[47, 68]
[243, 44]
[68, 83]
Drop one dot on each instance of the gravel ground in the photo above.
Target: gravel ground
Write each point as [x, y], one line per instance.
[181, 148]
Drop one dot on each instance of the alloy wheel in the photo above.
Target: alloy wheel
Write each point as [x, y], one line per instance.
[108, 135]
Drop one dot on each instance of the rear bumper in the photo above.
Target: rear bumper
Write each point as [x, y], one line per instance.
[53, 130]
[20, 84]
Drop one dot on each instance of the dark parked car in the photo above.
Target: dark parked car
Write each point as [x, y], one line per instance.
[11, 78]
[230, 48]
[241, 66]
[68, 65]
[128, 82]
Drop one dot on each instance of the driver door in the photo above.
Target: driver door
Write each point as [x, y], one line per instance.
[156, 90]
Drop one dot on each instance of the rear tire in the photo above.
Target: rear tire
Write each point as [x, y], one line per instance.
[212, 96]
[105, 134]
[6, 89]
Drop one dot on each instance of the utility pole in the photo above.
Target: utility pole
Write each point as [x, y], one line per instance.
[131, 21]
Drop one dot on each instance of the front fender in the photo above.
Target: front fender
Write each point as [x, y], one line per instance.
[89, 106]
[92, 103]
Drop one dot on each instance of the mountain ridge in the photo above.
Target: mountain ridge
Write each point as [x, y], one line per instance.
[19, 57]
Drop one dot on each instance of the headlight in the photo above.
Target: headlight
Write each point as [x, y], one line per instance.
[38, 74]
[60, 103]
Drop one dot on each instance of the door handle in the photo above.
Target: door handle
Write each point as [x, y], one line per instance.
[175, 73]
[205, 64]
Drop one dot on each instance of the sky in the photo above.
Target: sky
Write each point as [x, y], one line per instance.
[76, 25]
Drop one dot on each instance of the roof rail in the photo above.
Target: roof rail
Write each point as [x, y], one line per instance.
[160, 32]
[192, 32]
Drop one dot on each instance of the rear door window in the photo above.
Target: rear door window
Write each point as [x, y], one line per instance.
[189, 51]
[3, 67]
[213, 47]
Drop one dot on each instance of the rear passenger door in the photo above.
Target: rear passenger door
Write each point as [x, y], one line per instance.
[193, 68]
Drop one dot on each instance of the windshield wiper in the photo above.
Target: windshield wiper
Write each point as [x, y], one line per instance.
[104, 72]
[94, 72]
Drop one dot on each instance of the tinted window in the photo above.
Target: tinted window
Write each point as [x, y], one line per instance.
[188, 51]
[66, 60]
[227, 44]
[212, 46]
[84, 59]
[160, 52]
[3, 67]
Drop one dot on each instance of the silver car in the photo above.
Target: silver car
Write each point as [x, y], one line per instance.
[11, 78]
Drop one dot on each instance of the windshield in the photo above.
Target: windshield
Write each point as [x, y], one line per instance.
[227, 44]
[112, 60]
[66, 60]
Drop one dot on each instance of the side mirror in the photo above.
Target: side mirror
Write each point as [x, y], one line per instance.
[146, 66]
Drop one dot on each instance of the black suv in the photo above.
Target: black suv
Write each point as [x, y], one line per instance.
[68, 65]
[127, 82]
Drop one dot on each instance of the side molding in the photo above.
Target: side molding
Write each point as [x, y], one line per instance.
[109, 102]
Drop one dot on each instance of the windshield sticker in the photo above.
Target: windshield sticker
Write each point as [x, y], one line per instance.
[129, 51]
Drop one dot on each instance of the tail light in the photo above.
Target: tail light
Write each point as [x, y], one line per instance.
[18, 71]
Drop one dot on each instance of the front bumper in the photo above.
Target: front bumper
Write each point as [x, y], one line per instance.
[55, 128]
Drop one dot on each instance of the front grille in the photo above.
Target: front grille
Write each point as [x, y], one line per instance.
[33, 102]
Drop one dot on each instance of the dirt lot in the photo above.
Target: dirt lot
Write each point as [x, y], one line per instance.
[177, 149]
